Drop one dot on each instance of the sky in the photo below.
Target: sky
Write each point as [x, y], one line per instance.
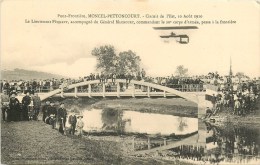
[65, 49]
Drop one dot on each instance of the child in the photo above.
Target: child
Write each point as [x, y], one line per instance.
[80, 125]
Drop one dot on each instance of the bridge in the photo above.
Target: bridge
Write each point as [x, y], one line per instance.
[131, 92]
[72, 91]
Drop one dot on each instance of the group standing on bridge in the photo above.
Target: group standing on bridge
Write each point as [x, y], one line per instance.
[38, 86]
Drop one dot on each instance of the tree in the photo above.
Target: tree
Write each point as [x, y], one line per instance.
[240, 75]
[128, 63]
[181, 71]
[106, 59]
[108, 62]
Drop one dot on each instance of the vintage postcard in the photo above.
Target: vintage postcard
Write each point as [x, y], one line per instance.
[130, 82]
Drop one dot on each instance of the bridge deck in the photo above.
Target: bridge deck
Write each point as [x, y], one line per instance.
[115, 94]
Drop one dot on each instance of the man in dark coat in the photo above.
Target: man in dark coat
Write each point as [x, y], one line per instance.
[14, 112]
[44, 110]
[72, 122]
[25, 103]
[52, 115]
[36, 105]
[62, 117]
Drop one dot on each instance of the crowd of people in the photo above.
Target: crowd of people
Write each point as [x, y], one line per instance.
[241, 101]
[35, 86]
[26, 109]
[29, 107]
[39, 86]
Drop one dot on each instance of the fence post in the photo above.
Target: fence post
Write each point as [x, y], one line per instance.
[89, 90]
[75, 92]
[148, 91]
[104, 90]
[133, 92]
[133, 143]
[118, 89]
[149, 143]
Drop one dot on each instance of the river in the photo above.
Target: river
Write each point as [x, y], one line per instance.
[112, 120]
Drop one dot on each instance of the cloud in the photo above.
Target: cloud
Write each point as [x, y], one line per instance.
[80, 68]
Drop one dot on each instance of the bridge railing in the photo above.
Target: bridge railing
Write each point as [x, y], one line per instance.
[112, 87]
[123, 87]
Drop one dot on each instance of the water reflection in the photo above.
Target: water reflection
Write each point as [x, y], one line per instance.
[182, 123]
[233, 143]
[192, 152]
[113, 120]
[225, 144]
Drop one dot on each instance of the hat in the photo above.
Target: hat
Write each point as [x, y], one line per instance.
[80, 116]
[13, 95]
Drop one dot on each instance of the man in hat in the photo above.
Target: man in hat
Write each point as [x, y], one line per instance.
[14, 113]
[62, 116]
[72, 122]
[36, 105]
[44, 110]
[52, 114]
[25, 103]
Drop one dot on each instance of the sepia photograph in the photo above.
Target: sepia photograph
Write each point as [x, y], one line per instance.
[140, 82]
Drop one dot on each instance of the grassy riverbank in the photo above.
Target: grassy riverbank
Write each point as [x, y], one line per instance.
[172, 106]
[34, 142]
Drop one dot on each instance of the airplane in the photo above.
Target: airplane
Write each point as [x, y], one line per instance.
[182, 38]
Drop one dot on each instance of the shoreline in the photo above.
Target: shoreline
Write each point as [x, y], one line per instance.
[168, 106]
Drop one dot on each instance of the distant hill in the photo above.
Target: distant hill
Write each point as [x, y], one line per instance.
[22, 74]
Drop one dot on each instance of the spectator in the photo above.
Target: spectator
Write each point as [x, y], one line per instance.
[25, 106]
[80, 125]
[62, 116]
[72, 122]
[44, 110]
[14, 111]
